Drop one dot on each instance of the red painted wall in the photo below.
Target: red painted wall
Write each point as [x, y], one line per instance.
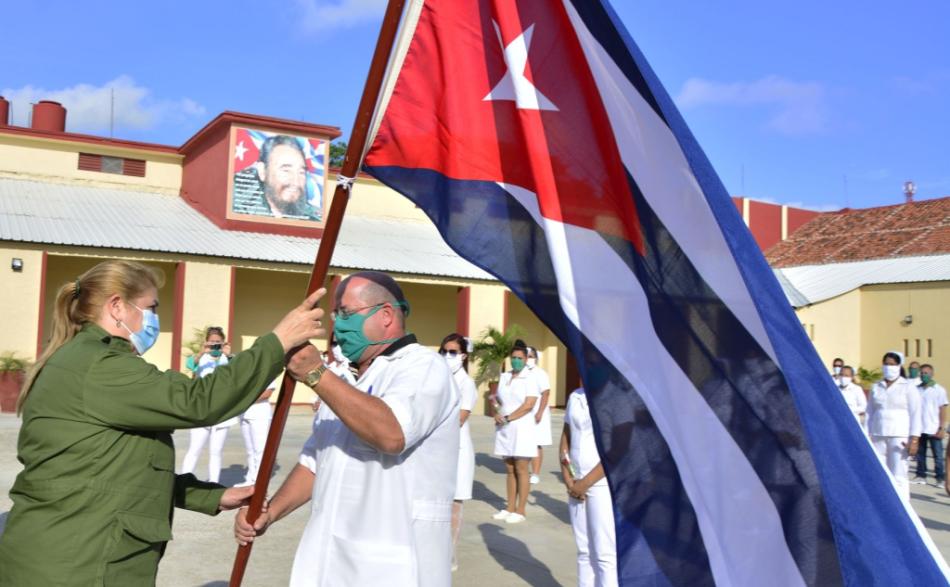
[765, 222]
[798, 217]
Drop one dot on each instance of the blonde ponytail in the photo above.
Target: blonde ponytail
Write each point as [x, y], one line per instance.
[81, 301]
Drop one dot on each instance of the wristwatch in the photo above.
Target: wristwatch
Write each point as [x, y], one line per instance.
[312, 379]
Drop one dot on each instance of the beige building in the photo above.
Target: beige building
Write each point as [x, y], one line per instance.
[864, 282]
[68, 201]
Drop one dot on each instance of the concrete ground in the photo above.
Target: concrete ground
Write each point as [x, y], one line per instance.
[539, 552]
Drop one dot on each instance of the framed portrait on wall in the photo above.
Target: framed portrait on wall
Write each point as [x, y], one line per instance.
[277, 178]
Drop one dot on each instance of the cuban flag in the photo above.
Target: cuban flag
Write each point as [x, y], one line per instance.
[315, 157]
[537, 139]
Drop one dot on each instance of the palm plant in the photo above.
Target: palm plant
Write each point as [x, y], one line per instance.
[868, 377]
[491, 350]
[10, 362]
[193, 347]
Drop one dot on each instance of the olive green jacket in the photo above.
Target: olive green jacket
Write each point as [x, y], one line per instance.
[93, 504]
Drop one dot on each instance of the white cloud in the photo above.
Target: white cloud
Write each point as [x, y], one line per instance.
[329, 14]
[88, 107]
[797, 107]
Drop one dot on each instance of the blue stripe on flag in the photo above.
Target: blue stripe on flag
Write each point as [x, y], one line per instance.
[877, 543]
[658, 537]
[741, 384]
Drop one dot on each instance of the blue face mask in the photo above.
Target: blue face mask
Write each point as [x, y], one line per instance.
[145, 338]
[348, 333]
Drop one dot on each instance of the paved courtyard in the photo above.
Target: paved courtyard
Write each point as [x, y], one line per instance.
[539, 552]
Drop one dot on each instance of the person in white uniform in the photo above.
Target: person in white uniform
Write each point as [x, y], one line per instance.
[381, 482]
[515, 434]
[454, 348]
[913, 373]
[255, 422]
[542, 412]
[894, 420]
[836, 365]
[215, 355]
[934, 423]
[853, 394]
[589, 503]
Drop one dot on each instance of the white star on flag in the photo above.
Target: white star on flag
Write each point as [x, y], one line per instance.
[515, 86]
[240, 150]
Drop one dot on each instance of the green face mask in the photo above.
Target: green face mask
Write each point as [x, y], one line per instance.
[926, 378]
[348, 333]
[914, 371]
[517, 364]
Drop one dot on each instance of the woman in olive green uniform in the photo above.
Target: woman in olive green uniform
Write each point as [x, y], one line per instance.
[93, 504]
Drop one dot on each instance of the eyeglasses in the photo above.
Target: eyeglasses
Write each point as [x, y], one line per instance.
[444, 352]
[343, 313]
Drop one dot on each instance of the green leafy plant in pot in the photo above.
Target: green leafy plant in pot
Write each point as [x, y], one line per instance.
[12, 372]
[491, 350]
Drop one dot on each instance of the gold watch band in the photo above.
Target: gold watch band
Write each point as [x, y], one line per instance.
[313, 377]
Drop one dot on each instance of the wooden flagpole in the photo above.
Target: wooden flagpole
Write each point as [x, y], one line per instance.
[354, 154]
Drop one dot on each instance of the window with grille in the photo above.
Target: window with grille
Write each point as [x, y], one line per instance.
[107, 164]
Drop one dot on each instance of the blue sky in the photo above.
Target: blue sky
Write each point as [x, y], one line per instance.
[820, 104]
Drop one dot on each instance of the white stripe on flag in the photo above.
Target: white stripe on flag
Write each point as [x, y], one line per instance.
[653, 157]
[740, 526]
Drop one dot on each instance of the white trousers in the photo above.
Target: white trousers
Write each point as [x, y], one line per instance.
[199, 436]
[893, 454]
[255, 437]
[593, 523]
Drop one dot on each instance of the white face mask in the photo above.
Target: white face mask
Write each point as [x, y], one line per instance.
[891, 372]
[844, 382]
[837, 370]
[454, 362]
[531, 363]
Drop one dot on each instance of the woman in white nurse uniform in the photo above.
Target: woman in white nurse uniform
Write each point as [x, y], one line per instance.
[589, 503]
[515, 434]
[542, 412]
[255, 422]
[894, 420]
[454, 348]
[215, 355]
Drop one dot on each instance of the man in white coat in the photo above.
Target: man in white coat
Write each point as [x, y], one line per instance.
[381, 470]
[853, 394]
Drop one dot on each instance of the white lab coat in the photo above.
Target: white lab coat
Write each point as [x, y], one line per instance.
[517, 438]
[894, 415]
[933, 397]
[592, 519]
[378, 519]
[543, 427]
[466, 467]
[856, 400]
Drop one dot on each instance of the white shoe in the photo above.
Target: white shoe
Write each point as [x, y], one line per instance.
[515, 518]
[502, 515]
[534, 480]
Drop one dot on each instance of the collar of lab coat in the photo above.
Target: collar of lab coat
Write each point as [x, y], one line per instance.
[402, 342]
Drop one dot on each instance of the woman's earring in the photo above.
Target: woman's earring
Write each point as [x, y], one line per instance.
[118, 323]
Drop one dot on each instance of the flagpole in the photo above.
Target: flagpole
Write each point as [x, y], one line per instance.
[350, 168]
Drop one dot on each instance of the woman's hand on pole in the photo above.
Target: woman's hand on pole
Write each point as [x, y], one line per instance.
[302, 323]
[235, 497]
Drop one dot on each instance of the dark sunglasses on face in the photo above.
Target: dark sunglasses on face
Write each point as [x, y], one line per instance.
[449, 353]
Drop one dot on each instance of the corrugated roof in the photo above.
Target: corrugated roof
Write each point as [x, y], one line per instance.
[77, 215]
[810, 284]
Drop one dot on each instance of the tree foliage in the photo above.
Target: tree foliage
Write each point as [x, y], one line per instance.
[491, 350]
[337, 153]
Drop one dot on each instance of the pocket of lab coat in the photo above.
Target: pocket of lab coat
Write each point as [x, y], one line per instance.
[364, 563]
[131, 553]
